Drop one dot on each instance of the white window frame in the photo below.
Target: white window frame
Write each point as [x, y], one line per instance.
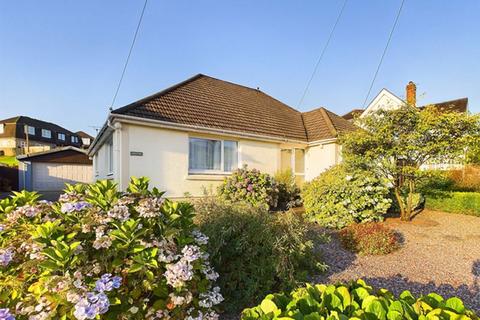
[109, 156]
[61, 136]
[222, 158]
[46, 134]
[2, 128]
[31, 130]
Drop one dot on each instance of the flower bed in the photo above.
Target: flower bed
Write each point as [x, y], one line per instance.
[101, 253]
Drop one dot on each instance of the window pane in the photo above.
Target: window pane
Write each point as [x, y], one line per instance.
[2, 128]
[299, 161]
[286, 159]
[204, 154]
[230, 156]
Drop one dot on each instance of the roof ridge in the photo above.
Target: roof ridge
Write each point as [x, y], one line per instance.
[328, 121]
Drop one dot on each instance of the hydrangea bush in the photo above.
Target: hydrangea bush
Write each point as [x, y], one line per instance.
[356, 300]
[101, 253]
[340, 196]
[252, 186]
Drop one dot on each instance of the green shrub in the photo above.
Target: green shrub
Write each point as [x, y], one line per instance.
[254, 251]
[288, 191]
[98, 253]
[339, 197]
[454, 202]
[356, 300]
[369, 238]
[252, 186]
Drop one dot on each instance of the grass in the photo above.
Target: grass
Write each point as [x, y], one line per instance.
[8, 160]
[455, 202]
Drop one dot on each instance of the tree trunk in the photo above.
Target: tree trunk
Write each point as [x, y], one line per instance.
[409, 208]
[400, 203]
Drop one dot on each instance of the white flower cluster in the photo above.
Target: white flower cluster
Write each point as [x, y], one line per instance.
[149, 207]
[199, 237]
[211, 315]
[119, 212]
[167, 250]
[178, 273]
[211, 298]
[101, 240]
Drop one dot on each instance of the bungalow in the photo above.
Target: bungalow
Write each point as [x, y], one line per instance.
[193, 134]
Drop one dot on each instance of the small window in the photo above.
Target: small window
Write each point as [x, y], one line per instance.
[2, 128]
[46, 133]
[74, 139]
[61, 136]
[212, 156]
[31, 130]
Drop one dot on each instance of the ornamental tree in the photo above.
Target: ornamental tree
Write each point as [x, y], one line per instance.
[397, 143]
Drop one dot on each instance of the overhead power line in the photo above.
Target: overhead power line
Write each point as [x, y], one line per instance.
[384, 52]
[322, 53]
[129, 54]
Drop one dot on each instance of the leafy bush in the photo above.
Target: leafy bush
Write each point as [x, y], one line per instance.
[369, 238]
[99, 253]
[288, 191]
[253, 250]
[356, 300]
[455, 202]
[339, 197]
[252, 186]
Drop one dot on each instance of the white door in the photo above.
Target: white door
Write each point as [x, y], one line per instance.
[53, 176]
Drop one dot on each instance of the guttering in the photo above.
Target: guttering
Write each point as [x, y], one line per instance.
[323, 141]
[200, 129]
[99, 138]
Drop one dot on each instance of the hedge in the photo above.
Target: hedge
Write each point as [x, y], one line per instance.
[454, 202]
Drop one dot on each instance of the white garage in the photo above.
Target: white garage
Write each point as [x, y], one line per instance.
[49, 171]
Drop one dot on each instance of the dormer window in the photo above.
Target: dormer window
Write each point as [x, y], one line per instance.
[46, 133]
[31, 130]
[74, 139]
[61, 136]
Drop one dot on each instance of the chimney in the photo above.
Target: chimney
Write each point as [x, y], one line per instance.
[411, 94]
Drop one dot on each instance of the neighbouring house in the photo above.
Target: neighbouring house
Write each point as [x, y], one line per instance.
[48, 171]
[22, 135]
[386, 100]
[193, 134]
[85, 138]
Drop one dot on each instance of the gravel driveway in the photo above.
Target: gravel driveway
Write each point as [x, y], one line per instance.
[440, 252]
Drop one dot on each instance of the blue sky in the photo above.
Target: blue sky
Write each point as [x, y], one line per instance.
[60, 60]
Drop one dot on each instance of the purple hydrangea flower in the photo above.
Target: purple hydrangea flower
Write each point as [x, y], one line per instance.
[75, 206]
[6, 315]
[91, 305]
[107, 283]
[250, 187]
[6, 257]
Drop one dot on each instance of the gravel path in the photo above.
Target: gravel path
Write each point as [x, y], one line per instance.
[440, 252]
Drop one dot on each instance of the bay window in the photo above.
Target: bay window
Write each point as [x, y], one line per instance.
[212, 156]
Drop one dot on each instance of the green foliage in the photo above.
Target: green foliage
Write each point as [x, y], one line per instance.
[356, 300]
[144, 248]
[369, 239]
[341, 196]
[252, 186]
[396, 143]
[454, 202]
[255, 251]
[288, 191]
[10, 161]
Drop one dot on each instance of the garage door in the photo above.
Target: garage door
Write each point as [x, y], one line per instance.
[53, 176]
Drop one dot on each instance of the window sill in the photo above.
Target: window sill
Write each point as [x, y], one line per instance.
[207, 176]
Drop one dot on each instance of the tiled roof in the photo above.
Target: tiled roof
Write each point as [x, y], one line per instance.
[352, 114]
[212, 103]
[323, 124]
[458, 105]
